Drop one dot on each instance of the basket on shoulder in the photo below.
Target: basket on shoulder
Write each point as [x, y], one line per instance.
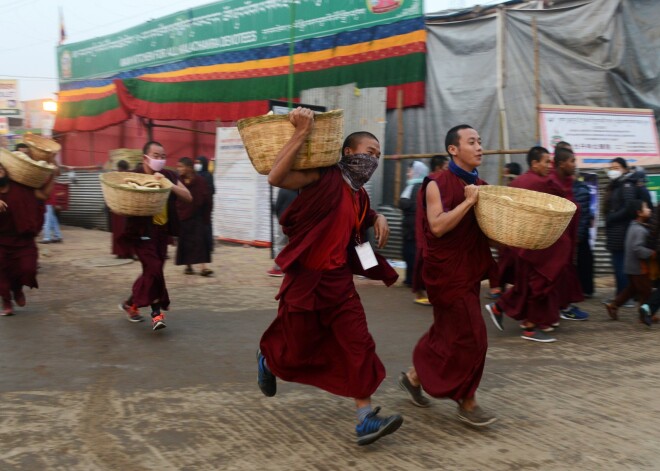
[24, 170]
[41, 148]
[263, 137]
[522, 218]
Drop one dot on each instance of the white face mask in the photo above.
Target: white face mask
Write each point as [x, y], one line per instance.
[155, 164]
[614, 174]
[198, 167]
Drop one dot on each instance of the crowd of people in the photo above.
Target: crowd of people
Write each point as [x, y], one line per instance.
[320, 335]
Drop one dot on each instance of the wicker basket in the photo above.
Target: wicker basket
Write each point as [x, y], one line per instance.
[522, 218]
[130, 201]
[264, 137]
[41, 148]
[27, 172]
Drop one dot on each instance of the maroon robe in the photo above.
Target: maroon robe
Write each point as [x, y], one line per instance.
[121, 246]
[320, 335]
[571, 291]
[449, 358]
[193, 244]
[150, 245]
[19, 225]
[537, 277]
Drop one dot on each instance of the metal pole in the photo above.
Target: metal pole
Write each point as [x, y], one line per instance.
[501, 56]
[399, 145]
[292, 50]
[537, 79]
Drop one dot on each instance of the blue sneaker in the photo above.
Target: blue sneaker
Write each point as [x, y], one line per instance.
[266, 380]
[645, 315]
[373, 427]
[573, 313]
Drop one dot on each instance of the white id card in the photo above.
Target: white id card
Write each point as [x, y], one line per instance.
[366, 255]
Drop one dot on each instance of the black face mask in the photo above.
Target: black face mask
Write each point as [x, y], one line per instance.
[4, 181]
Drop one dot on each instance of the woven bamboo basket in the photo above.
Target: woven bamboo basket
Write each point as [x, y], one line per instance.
[522, 218]
[41, 148]
[25, 170]
[131, 201]
[264, 137]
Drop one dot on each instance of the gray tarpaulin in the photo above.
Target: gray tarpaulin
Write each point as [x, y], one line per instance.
[603, 53]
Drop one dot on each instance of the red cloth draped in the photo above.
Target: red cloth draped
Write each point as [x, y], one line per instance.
[193, 246]
[449, 358]
[537, 278]
[121, 246]
[571, 292]
[320, 335]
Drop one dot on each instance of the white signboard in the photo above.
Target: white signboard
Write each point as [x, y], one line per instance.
[241, 203]
[597, 135]
[9, 98]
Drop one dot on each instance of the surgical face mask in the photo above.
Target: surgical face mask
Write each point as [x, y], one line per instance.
[155, 164]
[614, 174]
[198, 167]
[357, 169]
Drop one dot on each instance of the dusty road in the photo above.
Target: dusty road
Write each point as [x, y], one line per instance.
[83, 389]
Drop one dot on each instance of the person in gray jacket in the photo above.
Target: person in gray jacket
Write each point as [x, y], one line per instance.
[636, 258]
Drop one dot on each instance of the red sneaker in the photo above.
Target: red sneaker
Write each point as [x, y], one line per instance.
[132, 312]
[19, 297]
[158, 322]
[275, 272]
[7, 309]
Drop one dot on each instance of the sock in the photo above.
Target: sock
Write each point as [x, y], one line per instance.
[362, 413]
[155, 309]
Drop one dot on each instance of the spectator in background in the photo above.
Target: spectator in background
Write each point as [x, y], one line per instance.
[623, 188]
[637, 256]
[201, 167]
[193, 246]
[51, 229]
[511, 171]
[408, 204]
[585, 256]
[439, 163]
[284, 198]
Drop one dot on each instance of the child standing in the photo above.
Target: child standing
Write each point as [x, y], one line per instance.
[635, 267]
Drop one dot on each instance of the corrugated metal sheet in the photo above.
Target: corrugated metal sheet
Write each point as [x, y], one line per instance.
[86, 205]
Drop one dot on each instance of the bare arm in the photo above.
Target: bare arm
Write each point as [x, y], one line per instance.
[179, 190]
[281, 174]
[182, 192]
[44, 192]
[440, 221]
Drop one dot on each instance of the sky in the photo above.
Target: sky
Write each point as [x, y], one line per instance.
[29, 32]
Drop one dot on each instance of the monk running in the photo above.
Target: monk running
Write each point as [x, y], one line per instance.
[21, 219]
[150, 237]
[449, 359]
[535, 297]
[320, 336]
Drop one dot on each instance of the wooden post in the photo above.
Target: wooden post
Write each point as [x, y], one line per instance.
[537, 80]
[399, 145]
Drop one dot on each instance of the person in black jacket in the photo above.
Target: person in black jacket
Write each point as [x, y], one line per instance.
[201, 167]
[585, 256]
[625, 186]
[408, 204]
